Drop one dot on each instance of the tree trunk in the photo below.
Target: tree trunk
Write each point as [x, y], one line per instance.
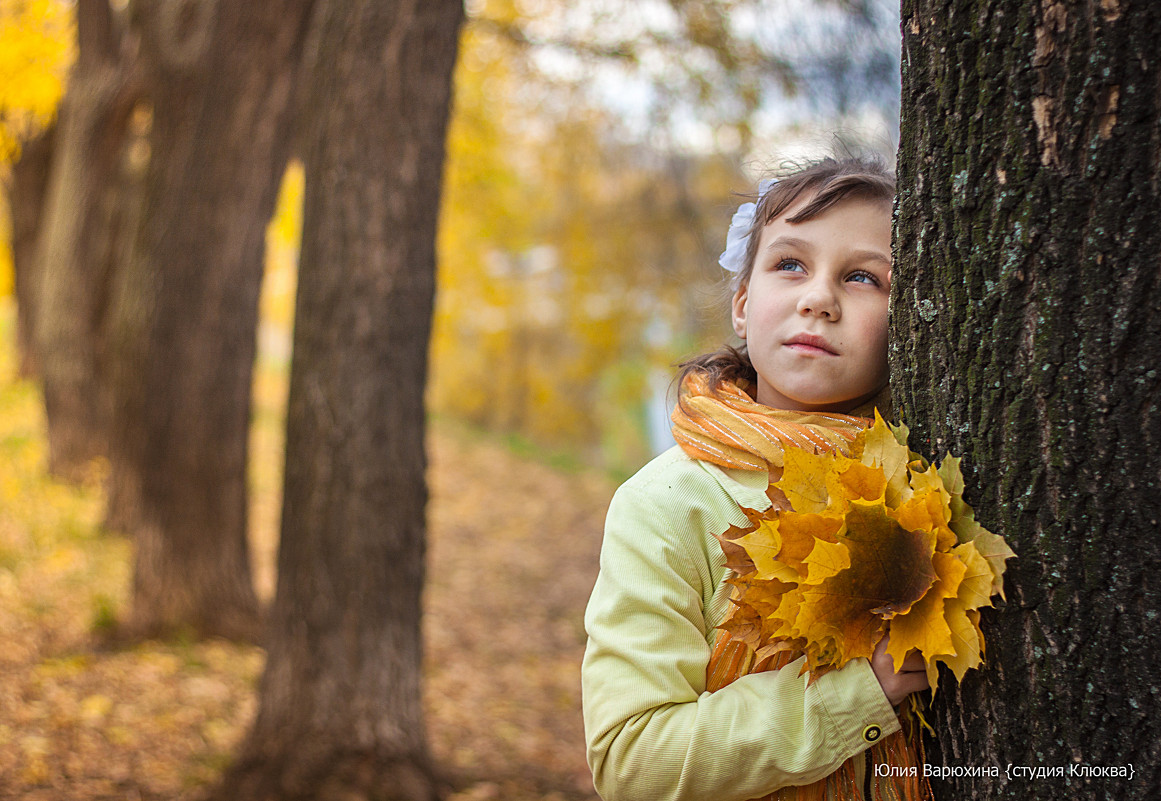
[219, 78]
[340, 711]
[77, 243]
[26, 188]
[1026, 338]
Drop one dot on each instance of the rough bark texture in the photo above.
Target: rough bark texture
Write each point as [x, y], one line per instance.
[340, 713]
[27, 187]
[1027, 338]
[75, 251]
[219, 78]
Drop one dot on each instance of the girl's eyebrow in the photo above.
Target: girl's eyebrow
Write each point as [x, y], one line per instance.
[789, 242]
[801, 244]
[871, 255]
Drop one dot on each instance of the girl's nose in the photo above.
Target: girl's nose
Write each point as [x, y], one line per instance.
[819, 301]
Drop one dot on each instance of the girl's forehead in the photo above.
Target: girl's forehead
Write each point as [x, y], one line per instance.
[851, 204]
[853, 217]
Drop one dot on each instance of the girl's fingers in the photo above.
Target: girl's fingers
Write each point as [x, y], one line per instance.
[913, 662]
[916, 681]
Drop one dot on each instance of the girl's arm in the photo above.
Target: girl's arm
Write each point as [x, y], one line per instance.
[653, 731]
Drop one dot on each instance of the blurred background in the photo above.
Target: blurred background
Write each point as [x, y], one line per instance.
[596, 152]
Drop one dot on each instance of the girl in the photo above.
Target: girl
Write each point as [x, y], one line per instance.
[812, 266]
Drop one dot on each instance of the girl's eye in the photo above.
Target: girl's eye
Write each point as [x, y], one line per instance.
[863, 277]
[789, 265]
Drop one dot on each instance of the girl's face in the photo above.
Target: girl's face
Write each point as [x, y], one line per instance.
[814, 310]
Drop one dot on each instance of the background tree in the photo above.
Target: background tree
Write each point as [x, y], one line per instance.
[35, 53]
[218, 78]
[340, 706]
[26, 188]
[1027, 339]
[81, 220]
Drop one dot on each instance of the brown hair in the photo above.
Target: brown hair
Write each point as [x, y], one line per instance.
[831, 181]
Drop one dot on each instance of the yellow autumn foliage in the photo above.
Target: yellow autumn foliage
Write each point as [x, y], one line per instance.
[864, 543]
[36, 50]
[560, 247]
[283, 241]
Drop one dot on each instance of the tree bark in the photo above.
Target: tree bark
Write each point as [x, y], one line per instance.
[1026, 338]
[76, 246]
[340, 711]
[219, 79]
[27, 187]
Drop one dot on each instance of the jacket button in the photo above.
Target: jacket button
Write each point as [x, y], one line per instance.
[872, 733]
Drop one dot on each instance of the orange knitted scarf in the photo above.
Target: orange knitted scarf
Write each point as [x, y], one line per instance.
[728, 428]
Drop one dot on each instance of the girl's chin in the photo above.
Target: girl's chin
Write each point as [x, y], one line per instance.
[798, 401]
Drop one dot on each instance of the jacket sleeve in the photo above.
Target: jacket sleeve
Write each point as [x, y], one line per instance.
[653, 732]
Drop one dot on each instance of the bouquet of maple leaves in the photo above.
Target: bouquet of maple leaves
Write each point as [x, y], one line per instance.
[854, 544]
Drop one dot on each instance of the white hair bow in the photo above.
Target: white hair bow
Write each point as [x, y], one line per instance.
[733, 258]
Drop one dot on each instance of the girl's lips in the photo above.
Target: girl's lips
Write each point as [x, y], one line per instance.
[805, 343]
[809, 349]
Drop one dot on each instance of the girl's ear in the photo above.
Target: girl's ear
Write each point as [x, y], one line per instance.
[738, 309]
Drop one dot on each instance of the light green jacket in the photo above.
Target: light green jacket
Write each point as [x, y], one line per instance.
[653, 731]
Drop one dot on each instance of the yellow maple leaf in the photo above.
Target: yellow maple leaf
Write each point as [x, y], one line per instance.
[804, 480]
[924, 627]
[967, 528]
[881, 448]
[763, 545]
[953, 481]
[761, 594]
[929, 480]
[995, 551]
[737, 559]
[807, 535]
[925, 511]
[849, 479]
[975, 590]
[826, 559]
[967, 644]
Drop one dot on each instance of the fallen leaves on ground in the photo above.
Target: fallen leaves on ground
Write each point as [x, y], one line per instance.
[161, 720]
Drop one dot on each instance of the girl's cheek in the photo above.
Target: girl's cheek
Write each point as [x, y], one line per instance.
[876, 323]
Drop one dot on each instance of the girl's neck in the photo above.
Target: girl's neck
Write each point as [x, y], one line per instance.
[862, 406]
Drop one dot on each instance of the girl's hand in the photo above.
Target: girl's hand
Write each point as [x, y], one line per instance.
[911, 678]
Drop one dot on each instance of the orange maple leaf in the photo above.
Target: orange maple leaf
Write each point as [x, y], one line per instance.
[890, 569]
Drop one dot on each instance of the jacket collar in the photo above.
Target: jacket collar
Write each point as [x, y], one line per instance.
[746, 487]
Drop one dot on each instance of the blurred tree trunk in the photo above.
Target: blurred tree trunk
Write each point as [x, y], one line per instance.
[219, 79]
[1027, 338]
[74, 255]
[340, 712]
[26, 189]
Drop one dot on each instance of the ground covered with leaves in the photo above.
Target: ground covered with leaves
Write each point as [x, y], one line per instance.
[512, 557]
